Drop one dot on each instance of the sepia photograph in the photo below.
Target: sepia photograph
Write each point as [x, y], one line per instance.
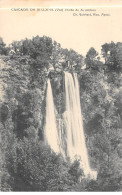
[60, 96]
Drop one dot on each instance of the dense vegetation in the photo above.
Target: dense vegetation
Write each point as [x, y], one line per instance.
[26, 163]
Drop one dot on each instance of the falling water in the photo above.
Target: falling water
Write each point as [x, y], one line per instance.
[76, 146]
[51, 133]
[69, 141]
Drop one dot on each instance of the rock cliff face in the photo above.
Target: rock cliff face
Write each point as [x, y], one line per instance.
[14, 74]
[58, 88]
[4, 75]
[18, 99]
[23, 99]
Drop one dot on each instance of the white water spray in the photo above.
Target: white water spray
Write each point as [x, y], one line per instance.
[71, 141]
[51, 132]
[76, 146]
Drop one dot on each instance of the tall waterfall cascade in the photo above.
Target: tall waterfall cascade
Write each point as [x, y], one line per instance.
[51, 132]
[68, 140]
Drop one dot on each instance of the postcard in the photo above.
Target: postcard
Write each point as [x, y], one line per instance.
[60, 96]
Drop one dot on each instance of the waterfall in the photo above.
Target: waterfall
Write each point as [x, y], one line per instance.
[51, 132]
[76, 146]
[70, 140]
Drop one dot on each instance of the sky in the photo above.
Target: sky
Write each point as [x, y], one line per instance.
[76, 32]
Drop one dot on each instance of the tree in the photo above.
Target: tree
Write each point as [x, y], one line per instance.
[92, 60]
[113, 56]
[3, 49]
[34, 167]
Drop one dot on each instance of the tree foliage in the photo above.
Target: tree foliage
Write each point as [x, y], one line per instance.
[26, 163]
